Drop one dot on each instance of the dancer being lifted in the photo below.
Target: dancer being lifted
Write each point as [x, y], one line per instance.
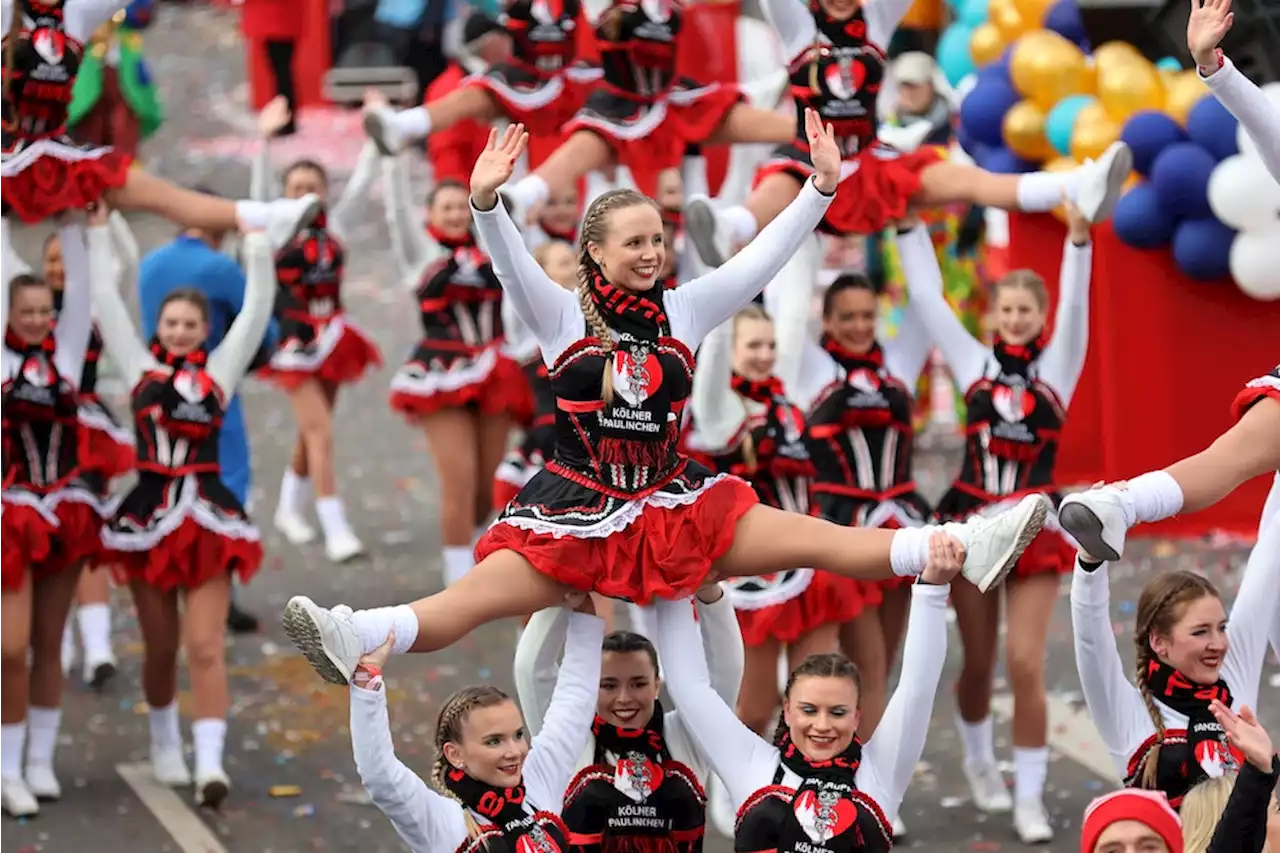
[619, 510]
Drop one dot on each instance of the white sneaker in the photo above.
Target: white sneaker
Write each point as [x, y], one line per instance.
[293, 526]
[342, 546]
[1096, 520]
[1101, 182]
[899, 829]
[288, 216]
[17, 799]
[720, 807]
[703, 225]
[42, 782]
[169, 766]
[905, 139]
[99, 669]
[379, 125]
[326, 638]
[987, 788]
[1031, 822]
[993, 545]
[212, 787]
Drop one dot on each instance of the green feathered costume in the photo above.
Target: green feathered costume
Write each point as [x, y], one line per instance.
[132, 74]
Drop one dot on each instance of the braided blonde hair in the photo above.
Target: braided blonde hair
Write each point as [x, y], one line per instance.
[453, 716]
[751, 312]
[1160, 606]
[595, 225]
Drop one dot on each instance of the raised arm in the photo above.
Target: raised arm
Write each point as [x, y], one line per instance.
[342, 213]
[722, 644]
[965, 356]
[428, 822]
[1244, 100]
[717, 411]
[10, 263]
[567, 725]
[125, 245]
[409, 241]
[793, 23]
[1062, 361]
[536, 664]
[1256, 608]
[119, 336]
[75, 321]
[229, 362]
[883, 17]
[262, 184]
[906, 355]
[1243, 825]
[789, 298]
[741, 758]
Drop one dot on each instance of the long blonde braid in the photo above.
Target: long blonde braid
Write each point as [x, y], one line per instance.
[453, 715]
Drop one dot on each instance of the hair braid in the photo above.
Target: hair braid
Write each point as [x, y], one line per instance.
[831, 665]
[453, 714]
[1152, 758]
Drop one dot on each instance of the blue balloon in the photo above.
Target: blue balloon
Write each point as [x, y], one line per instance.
[1168, 63]
[1064, 19]
[1202, 248]
[953, 53]
[1141, 221]
[1062, 119]
[1211, 126]
[983, 110]
[1147, 134]
[973, 13]
[996, 72]
[1181, 178]
[1002, 161]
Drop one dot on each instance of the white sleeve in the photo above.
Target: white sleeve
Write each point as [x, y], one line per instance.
[427, 821]
[1252, 109]
[409, 241]
[566, 729]
[789, 298]
[1062, 361]
[793, 24]
[722, 644]
[126, 247]
[229, 362]
[1114, 703]
[906, 355]
[536, 664]
[883, 17]
[704, 303]
[717, 410]
[342, 214]
[261, 181]
[75, 321]
[1255, 611]
[693, 174]
[966, 357]
[551, 312]
[743, 760]
[83, 17]
[1269, 511]
[889, 759]
[10, 263]
[119, 335]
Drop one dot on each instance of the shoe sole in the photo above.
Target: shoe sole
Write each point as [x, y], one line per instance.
[1086, 528]
[701, 228]
[23, 815]
[102, 675]
[374, 129]
[1121, 166]
[46, 796]
[213, 795]
[1030, 529]
[303, 630]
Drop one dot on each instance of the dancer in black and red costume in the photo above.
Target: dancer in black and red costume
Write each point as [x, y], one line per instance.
[179, 532]
[836, 49]
[49, 517]
[1017, 394]
[619, 510]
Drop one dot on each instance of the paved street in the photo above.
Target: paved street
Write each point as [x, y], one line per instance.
[287, 728]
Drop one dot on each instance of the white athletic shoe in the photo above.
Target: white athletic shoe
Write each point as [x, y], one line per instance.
[99, 669]
[1096, 520]
[899, 829]
[342, 546]
[1101, 182]
[326, 638]
[42, 782]
[706, 229]
[293, 526]
[905, 139]
[379, 124]
[212, 787]
[288, 216]
[986, 787]
[993, 545]
[169, 766]
[1031, 822]
[17, 799]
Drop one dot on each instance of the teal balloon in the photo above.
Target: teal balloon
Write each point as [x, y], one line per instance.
[953, 53]
[1062, 120]
[1169, 64]
[973, 12]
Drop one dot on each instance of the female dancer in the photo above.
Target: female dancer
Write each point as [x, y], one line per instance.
[640, 780]
[619, 510]
[1160, 732]
[838, 67]
[179, 531]
[816, 785]
[461, 385]
[50, 526]
[321, 348]
[496, 788]
[1018, 394]
[1100, 518]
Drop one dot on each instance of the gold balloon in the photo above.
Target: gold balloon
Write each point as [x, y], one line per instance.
[1183, 92]
[1032, 11]
[1007, 19]
[1093, 133]
[1046, 68]
[1114, 52]
[1023, 131]
[1128, 87]
[986, 45]
[1061, 164]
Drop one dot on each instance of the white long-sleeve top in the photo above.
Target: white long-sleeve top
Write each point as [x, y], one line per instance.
[745, 762]
[1114, 702]
[229, 362]
[80, 18]
[554, 315]
[795, 26]
[341, 215]
[430, 822]
[537, 672]
[412, 245]
[1062, 360]
[1244, 100]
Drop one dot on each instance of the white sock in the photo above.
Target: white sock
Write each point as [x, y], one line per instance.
[1151, 497]
[528, 191]
[1030, 766]
[208, 737]
[458, 561]
[1042, 191]
[332, 515]
[909, 550]
[254, 214]
[95, 630]
[68, 646]
[374, 625]
[978, 740]
[413, 123]
[12, 738]
[741, 223]
[42, 735]
[164, 725]
[294, 491]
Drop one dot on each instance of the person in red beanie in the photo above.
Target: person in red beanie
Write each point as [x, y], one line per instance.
[1131, 820]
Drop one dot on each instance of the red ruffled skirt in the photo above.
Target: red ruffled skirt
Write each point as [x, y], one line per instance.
[27, 534]
[189, 557]
[46, 177]
[542, 105]
[1257, 389]
[827, 599]
[342, 354]
[1050, 552]
[433, 380]
[106, 449]
[48, 533]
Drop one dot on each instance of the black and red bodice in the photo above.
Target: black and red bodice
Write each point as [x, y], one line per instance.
[839, 76]
[45, 61]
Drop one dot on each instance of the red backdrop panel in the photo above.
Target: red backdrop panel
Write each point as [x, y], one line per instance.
[1166, 357]
[311, 58]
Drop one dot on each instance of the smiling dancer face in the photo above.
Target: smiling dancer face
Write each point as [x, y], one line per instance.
[755, 348]
[184, 321]
[30, 308]
[1022, 304]
[850, 313]
[480, 732]
[447, 209]
[629, 681]
[558, 261]
[306, 176]
[622, 236]
[1182, 622]
[560, 213]
[821, 706]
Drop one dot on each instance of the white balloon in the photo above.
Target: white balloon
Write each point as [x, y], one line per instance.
[1243, 194]
[1247, 146]
[1253, 263]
